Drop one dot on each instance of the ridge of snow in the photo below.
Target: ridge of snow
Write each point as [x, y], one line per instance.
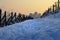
[47, 28]
[38, 29]
[55, 15]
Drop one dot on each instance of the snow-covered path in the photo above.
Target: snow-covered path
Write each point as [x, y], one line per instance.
[38, 29]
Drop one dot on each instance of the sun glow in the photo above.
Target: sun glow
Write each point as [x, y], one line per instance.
[26, 6]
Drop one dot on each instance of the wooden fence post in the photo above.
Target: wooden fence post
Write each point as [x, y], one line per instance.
[0, 16]
[15, 16]
[20, 17]
[53, 8]
[48, 10]
[11, 16]
[58, 4]
[5, 19]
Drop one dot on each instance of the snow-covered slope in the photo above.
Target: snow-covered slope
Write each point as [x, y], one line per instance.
[55, 15]
[37, 29]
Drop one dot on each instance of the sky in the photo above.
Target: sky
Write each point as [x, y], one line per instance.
[26, 6]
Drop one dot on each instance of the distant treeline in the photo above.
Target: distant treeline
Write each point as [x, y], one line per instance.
[12, 18]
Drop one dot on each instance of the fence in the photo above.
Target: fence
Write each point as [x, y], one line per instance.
[53, 9]
[12, 18]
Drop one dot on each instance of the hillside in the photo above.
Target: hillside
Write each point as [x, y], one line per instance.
[47, 28]
[54, 15]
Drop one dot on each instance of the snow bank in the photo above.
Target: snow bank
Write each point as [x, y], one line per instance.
[37, 29]
[55, 15]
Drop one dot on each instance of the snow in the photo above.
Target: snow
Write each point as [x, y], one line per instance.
[55, 15]
[36, 29]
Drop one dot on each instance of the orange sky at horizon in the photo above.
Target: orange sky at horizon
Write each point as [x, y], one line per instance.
[26, 6]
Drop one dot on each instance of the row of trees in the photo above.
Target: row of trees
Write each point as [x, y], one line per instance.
[52, 10]
[8, 19]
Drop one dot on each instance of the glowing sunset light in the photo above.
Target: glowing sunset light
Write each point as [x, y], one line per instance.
[26, 6]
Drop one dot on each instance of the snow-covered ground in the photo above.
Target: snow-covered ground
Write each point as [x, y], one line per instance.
[37, 29]
[55, 15]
